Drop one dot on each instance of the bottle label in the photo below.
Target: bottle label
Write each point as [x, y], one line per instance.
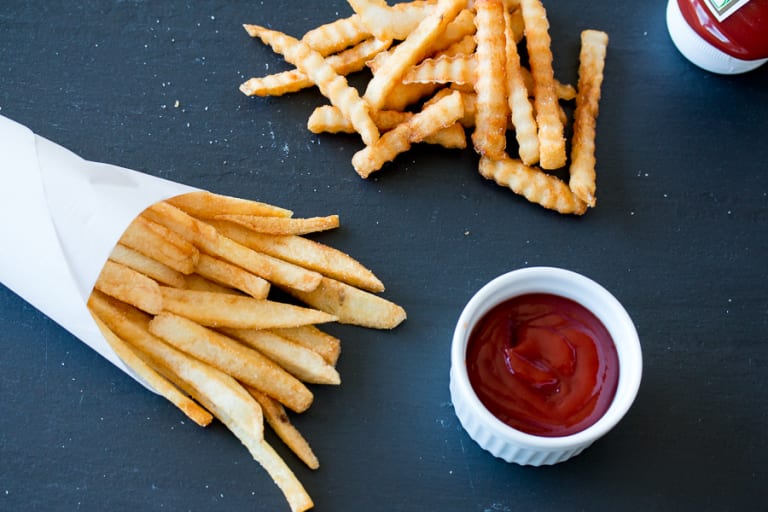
[721, 9]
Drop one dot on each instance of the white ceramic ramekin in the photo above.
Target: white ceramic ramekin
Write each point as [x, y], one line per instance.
[499, 438]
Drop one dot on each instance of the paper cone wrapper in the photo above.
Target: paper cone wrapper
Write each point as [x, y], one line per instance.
[60, 217]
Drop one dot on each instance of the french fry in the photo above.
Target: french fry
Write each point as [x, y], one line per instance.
[433, 118]
[332, 85]
[218, 392]
[309, 336]
[410, 51]
[230, 275]
[205, 236]
[551, 140]
[149, 267]
[307, 253]
[201, 284]
[591, 64]
[206, 205]
[489, 136]
[536, 186]
[278, 419]
[126, 284]
[352, 306]
[283, 226]
[156, 381]
[337, 35]
[233, 358]
[348, 61]
[301, 362]
[391, 22]
[226, 310]
[520, 107]
[158, 243]
[458, 69]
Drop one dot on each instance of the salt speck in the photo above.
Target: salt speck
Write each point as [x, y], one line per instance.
[177, 104]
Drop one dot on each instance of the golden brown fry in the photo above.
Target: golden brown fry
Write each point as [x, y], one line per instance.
[309, 336]
[343, 63]
[201, 284]
[226, 310]
[149, 267]
[551, 140]
[206, 205]
[232, 276]
[332, 85]
[277, 418]
[411, 50]
[533, 184]
[352, 305]
[490, 137]
[282, 226]
[205, 236]
[307, 253]
[232, 358]
[434, 117]
[520, 107]
[303, 363]
[156, 381]
[391, 22]
[458, 69]
[337, 35]
[591, 64]
[129, 286]
[158, 243]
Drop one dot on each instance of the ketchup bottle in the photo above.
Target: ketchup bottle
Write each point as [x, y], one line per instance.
[721, 36]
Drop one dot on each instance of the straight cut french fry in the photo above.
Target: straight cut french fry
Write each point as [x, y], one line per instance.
[226, 310]
[594, 46]
[304, 364]
[233, 358]
[307, 253]
[159, 243]
[149, 267]
[233, 276]
[129, 286]
[282, 226]
[205, 236]
[352, 305]
[206, 205]
[309, 336]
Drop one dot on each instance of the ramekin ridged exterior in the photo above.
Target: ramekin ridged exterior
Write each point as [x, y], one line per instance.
[513, 445]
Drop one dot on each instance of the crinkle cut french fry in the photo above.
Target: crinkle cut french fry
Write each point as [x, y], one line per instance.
[332, 85]
[348, 61]
[233, 358]
[551, 140]
[410, 51]
[159, 243]
[458, 69]
[352, 305]
[337, 35]
[277, 226]
[278, 419]
[517, 96]
[205, 236]
[149, 267]
[232, 276]
[129, 286]
[220, 393]
[155, 380]
[309, 336]
[431, 119]
[206, 205]
[303, 363]
[307, 253]
[226, 310]
[594, 46]
[536, 186]
[391, 22]
[490, 135]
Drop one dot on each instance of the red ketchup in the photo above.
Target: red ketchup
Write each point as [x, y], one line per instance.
[543, 364]
[723, 36]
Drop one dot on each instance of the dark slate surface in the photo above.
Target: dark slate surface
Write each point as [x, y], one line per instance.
[679, 236]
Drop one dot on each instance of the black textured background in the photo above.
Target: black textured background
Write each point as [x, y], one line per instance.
[679, 236]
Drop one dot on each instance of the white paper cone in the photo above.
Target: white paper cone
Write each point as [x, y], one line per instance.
[60, 217]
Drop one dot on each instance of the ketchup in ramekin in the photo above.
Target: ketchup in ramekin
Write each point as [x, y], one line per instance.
[543, 364]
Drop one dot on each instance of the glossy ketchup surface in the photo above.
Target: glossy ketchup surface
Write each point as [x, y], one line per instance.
[543, 364]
